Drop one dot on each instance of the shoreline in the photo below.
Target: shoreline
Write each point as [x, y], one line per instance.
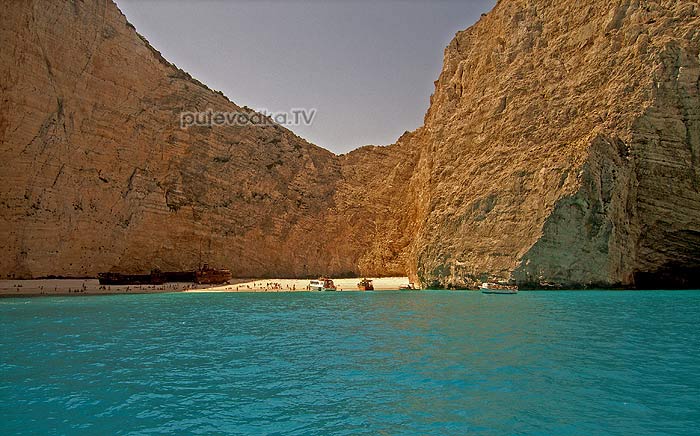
[78, 287]
[91, 287]
[300, 285]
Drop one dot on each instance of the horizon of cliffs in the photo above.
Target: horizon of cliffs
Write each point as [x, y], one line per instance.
[560, 149]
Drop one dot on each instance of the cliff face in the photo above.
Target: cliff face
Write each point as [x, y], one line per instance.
[561, 145]
[98, 175]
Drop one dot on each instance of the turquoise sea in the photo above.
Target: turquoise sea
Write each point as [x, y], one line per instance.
[429, 362]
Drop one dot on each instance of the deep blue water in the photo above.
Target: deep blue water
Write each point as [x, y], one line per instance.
[583, 363]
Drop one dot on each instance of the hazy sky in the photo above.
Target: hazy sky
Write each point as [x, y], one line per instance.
[367, 67]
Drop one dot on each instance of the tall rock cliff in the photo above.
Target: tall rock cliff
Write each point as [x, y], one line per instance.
[561, 147]
[98, 175]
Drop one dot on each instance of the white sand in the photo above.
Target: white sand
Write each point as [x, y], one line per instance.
[19, 288]
[291, 285]
[9, 288]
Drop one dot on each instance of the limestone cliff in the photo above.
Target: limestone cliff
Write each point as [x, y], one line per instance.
[561, 146]
[98, 175]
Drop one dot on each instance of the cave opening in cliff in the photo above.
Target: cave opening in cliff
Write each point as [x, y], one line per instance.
[672, 275]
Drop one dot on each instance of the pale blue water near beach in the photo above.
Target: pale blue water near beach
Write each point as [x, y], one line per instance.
[566, 363]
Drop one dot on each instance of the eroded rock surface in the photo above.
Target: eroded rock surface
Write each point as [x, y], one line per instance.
[561, 147]
[98, 175]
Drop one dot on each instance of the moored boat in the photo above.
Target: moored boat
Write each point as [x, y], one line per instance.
[322, 284]
[408, 287]
[497, 288]
[365, 285]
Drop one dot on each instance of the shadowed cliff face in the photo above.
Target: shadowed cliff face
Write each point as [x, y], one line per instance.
[561, 146]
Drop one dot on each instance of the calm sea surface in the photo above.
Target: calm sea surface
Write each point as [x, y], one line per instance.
[584, 363]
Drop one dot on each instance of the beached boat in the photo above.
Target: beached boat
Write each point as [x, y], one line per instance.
[180, 276]
[365, 285]
[112, 278]
[204, 275]
[322, 284]
[497, 288]
[408, 287]
[212, 276]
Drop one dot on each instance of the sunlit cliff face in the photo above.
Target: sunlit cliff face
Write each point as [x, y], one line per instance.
[560, 148]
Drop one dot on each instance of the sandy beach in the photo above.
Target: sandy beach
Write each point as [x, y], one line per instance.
[33, 288]
[76, 287]
[292, 285]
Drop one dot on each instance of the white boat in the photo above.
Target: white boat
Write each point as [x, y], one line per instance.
[322, 284]
[496, 288]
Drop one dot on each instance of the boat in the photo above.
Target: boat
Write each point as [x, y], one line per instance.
[498, 288]
[408, 287]
[211, 276]
[180, 276]
[322, 284]
[204, 275]
[365, 285]
[113, 278]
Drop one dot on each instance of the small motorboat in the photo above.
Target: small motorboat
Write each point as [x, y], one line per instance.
[498, 288]
[365, 285]
[408, 287]
[322, 284]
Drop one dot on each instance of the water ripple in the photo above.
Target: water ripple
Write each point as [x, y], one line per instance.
[576, 363]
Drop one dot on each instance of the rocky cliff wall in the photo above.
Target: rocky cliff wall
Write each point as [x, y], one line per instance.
[98, 175]
[561, 147]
